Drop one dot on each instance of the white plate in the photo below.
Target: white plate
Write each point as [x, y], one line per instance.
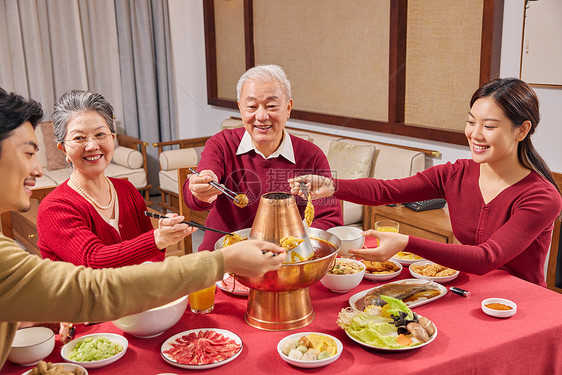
[309, 364]
[65, 366]
[356, 297]
[405, 262]
[241, 290]
[168, 345]
[396, 349]
[441, 280]
[499, 313]
[384, 276]
[95, 364]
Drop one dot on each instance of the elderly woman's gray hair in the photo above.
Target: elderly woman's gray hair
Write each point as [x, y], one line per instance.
[265, 73]
[76, 102]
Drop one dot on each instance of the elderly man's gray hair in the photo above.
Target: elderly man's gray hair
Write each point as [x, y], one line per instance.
[265, 73]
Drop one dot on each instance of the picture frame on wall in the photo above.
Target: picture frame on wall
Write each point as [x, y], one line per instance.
[541, 52]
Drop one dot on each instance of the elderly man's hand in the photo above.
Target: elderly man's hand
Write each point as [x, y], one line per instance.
[318, 186]
[200, 187]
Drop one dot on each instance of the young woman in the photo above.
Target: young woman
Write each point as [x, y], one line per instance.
[90, 219]
[502, 203]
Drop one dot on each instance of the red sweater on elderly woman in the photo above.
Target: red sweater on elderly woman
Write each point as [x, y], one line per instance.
[70, 229]
[253, 175]
[510, 232]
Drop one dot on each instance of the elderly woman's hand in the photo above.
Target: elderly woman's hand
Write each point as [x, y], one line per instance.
[389, 244]
[252, 258]
[170, 230]
[318, 186]
[200, 187]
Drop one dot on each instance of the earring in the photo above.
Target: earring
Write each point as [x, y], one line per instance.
[67, 159]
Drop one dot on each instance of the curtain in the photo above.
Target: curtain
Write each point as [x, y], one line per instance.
[146, 73]
[50, 47]
[120, 48]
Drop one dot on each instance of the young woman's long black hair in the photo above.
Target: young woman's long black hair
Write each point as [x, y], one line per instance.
[519, 102]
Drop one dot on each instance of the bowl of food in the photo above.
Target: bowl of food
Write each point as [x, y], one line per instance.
[57, 368]
[381, 271]
[345, 275]
[406, 258]
[155, 321]
[499, 307]
[350, 237]
[309, 349]
[95, 350]
[428, 270]
[31, 345]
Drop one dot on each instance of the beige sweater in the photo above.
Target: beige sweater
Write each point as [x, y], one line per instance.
[37, 290]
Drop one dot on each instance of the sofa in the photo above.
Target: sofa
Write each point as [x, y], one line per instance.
[348, 158]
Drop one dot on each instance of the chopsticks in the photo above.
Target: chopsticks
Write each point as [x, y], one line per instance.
[304, 190]
[229, 193]
[190, 223]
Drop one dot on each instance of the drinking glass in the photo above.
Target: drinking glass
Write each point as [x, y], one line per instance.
[387, 226]
[202, 301]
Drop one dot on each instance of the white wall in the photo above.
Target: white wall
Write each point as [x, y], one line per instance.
[197, 119]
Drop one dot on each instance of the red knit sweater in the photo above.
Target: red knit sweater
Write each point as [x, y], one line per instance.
[71, 230]
[511, 232]
[254, 176]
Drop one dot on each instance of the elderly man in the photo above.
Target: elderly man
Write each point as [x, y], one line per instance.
[256, 159]
[37, 290]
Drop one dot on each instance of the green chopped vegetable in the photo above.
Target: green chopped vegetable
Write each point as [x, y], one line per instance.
[94, 349]
[397, 305]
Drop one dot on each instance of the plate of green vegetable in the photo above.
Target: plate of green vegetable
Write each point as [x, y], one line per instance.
[96, 350]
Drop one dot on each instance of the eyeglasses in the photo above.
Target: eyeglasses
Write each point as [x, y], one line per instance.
[81, 140]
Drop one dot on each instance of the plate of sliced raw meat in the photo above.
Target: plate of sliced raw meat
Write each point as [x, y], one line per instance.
[230, 285]
[203, 348]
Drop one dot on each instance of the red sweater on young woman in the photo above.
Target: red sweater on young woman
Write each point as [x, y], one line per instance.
[70, 229]
[511, 232]
[253, 175]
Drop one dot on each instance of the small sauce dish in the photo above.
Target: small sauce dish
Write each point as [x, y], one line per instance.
[496, 312]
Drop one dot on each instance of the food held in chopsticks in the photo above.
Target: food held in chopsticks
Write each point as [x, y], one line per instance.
[398, 291]
[312, 347]
[393, 326]
[231, 239]
[241, 200]
[380, 267]
[309, 211]
[432, 270]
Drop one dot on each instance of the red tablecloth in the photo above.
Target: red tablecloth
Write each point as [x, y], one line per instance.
[468, 341]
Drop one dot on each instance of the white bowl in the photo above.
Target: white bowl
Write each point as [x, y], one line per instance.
[440, 280]
[31, 345]
[350, 237]
[65, 351]
[343, 283]
[384, 276]
[65, 367]
[499, 313]
[308, 364]
[155, 321]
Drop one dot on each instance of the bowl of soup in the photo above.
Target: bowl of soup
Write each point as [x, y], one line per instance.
[345, 275]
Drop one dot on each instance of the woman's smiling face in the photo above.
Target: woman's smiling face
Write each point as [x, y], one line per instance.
[91, 158]
[491, 135]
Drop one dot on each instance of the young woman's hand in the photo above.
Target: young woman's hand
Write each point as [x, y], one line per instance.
[318, 186]
[389, 244]
[247, 258]
[171, 230]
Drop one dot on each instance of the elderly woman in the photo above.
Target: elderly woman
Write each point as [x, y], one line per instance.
[256, 159]
[502, 203]
[90, 219]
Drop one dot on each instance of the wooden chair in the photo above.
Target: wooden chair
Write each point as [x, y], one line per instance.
[554, 269]
[183, 209]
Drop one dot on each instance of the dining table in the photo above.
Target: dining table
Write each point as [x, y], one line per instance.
[468, 341]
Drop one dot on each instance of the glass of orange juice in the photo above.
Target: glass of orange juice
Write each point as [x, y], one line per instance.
[202, 301]
[387, 226]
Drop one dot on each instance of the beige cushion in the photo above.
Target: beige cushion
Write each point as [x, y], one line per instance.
[55, 157]
[174, 159]
[304, 136]
[135, 176]
[350, 161]
[352, 213]
[231, 123]
[41, 153]
[127, 157]
[392, 162]
[169, 180]
[45, 181]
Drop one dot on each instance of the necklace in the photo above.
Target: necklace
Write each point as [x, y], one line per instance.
[92, 200]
